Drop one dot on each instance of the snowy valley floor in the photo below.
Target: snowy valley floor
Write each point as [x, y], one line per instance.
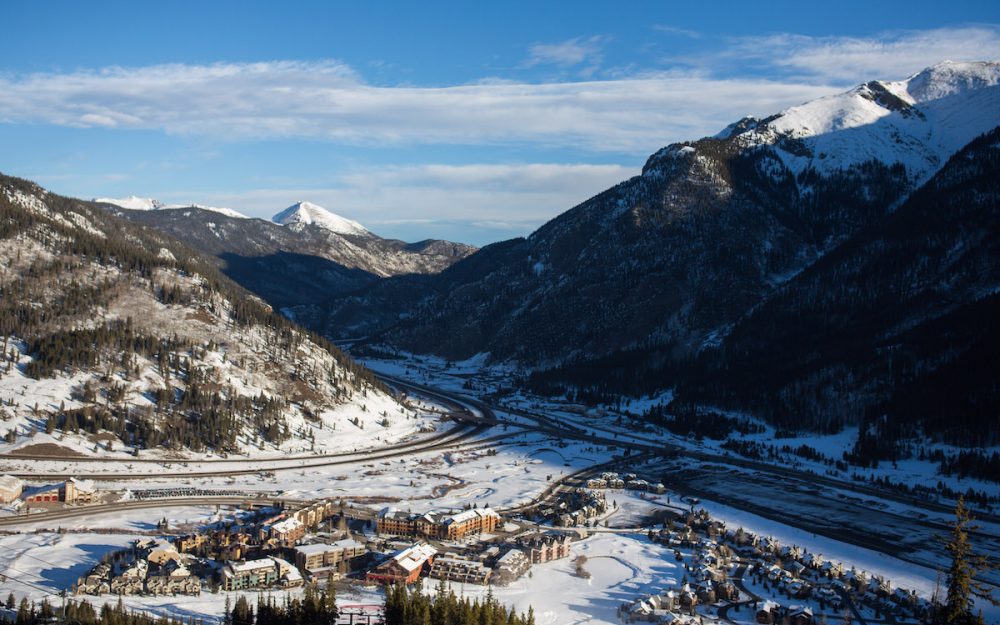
[503, 466]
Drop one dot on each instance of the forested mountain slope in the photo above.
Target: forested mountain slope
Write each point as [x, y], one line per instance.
[117, 336]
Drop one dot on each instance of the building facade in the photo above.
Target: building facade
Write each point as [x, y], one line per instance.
[436, 525]
[10, 488]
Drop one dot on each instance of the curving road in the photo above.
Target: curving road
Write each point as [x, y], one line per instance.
[477, 417]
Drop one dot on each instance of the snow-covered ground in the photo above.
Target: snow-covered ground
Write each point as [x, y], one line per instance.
[483, 378]
[502, 467]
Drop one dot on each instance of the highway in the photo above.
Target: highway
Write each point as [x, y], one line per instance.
[815, 492]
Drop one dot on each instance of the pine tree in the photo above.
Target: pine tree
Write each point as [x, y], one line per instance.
[965, 565]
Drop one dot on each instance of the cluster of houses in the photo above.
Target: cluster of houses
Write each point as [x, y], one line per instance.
[800, 575]
[437, 525]
[499, 564]
[73, 491]
[255, 553]
[265, 550]
[574, 508]
[149, 567]
[628, 481]
[808, 581]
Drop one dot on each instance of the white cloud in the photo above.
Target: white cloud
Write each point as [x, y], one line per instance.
[890, 55]
[413, 201]
[676, 30]
[635, 114]
[327, 101]
[567, 53]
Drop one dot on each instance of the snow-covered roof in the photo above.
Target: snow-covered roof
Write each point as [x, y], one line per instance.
[414, 557]
[346, 543]
[510, 556]
[9, 482]
[84, 486]
[314, 549]
[769, 606]
[393, 513]
[468, 515]
[286, 526]
[252, 565]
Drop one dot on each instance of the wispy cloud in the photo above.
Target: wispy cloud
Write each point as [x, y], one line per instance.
[484, 200]
[568, 53]
[328, 101]
[675, 30]
[846, 60]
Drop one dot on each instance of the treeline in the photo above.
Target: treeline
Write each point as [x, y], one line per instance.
[134, 250]
[82, 613]
[411, 606]
[970, 463]
[685, 419]
[314, 608]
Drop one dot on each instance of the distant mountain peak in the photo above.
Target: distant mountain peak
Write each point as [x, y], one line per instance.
[308, 213]
[133, 202]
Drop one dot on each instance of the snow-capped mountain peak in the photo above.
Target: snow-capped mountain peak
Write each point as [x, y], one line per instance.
[919, 121]
[132, 202]
[135, 203]
[228, 212]
[951, 78]
[309, 213]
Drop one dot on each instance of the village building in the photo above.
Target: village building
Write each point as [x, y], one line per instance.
[173, 579]
[800, 616]
[288, 575]
[132, 580]
[475, 521]
[10, 488]
[435, 525]
[833, 570]
[287, 532]
[452, 568]
[157, 551]
[510, 567]
[727, 591]
[403, 566]
[545, 547]
[314, 514]
[249, 574]
[78, 491]
[768, 613]
[393, 522]
[191, 542]
[97, 582]
[337, 557]
[48, 494]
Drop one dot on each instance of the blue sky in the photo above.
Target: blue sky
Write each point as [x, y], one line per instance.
[469, 121]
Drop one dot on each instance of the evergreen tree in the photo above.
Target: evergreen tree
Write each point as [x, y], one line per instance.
[965, 565]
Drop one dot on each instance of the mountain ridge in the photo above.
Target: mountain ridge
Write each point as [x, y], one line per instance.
[668, 264]
[124, 334]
